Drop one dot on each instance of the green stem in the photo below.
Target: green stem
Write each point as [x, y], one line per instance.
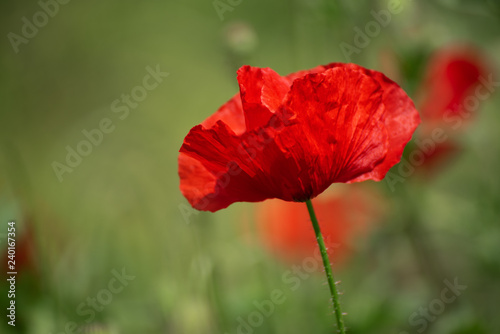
[328, 268]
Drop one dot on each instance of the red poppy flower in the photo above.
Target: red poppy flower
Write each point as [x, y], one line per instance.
[452, 74]
[345, 214]
[291, 137]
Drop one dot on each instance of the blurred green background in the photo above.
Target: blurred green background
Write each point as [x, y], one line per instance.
[119, 209]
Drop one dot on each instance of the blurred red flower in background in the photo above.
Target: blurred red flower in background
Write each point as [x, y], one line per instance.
[451, 90]
[452, 74]
[292, 137]
[347, 214]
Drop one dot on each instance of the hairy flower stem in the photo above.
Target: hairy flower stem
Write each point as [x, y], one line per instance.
[328, 268]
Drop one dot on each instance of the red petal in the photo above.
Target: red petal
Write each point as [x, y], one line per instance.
[230, 113]
[400, 119]
[343, 134]
[262, 92]
[225, 170]
[196, 181]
